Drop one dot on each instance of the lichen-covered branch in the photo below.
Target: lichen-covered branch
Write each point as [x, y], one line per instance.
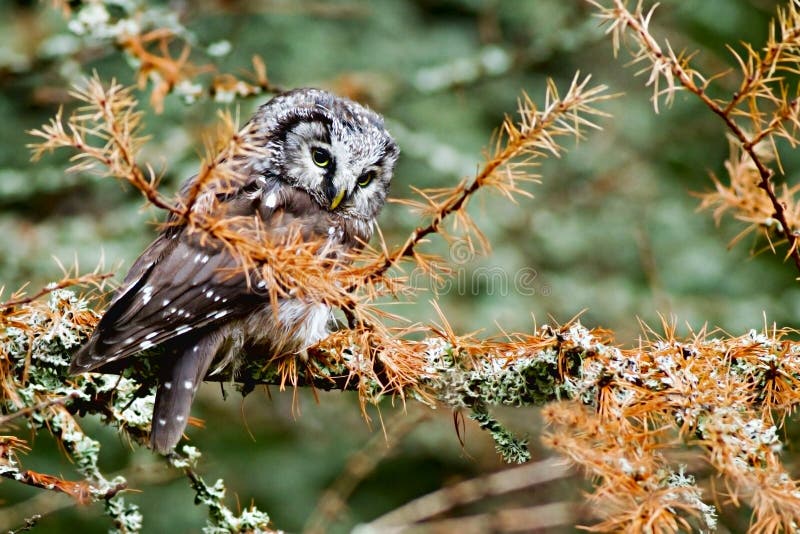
[221, 519]
[614, 412]
[617, 413]
[147, 35]
[36, 340]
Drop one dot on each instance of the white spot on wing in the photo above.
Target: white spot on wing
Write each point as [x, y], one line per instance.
[147, 293]
[151, 335]
[162, 422]
[144, 345]
[187, 384]
[167, 385]
[271, 201]
[182, 329]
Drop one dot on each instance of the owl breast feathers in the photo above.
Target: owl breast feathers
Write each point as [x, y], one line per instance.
[322, 172]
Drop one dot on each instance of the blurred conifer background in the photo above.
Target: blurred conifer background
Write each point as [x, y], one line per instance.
[613, 228]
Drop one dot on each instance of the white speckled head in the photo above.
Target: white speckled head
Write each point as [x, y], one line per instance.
[335, 149]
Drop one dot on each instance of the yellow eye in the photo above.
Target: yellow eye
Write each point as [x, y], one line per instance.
[320, 157]
[366, 178]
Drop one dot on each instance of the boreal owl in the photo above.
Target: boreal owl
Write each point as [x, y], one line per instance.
[323, 166]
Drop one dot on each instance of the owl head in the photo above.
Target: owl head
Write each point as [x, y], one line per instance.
[333, 148]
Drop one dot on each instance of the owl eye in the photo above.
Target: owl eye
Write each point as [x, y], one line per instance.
[320, 157]
[365, 179]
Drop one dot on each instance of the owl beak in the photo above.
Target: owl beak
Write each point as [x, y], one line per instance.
[335, 201]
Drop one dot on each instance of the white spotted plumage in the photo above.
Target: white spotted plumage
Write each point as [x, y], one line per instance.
[324, 167]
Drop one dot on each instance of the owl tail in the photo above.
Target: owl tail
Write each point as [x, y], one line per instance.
[176, 392]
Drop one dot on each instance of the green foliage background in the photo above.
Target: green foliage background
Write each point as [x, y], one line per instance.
[613, 228]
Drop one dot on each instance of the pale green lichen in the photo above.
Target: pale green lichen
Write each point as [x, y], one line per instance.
[41, 353]
[95, 23]
[570, 363]
[221, 520]
[509, 380]
[512, 449]
[127, 517]
[189, 459]
[691, 495]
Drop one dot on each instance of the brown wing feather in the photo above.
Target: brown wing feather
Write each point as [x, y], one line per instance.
[176, 286]
[187, 289]
[181, 285]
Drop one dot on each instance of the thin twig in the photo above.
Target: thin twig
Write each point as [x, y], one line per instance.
[359, 466]
[4, 420]
[748, 143]
[81, 280]
[81, 490]
[30, 522]
[535, 127]
[473, 490]
[529, 519]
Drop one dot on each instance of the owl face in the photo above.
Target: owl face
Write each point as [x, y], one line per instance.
[334, 149]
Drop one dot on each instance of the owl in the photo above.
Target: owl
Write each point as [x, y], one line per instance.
[323, 167]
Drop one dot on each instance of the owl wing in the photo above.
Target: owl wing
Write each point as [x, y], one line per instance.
[181, 285]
